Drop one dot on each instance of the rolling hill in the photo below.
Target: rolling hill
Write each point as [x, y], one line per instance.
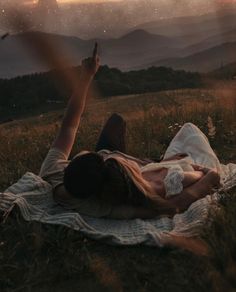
[225, 72]
[204, 61]
[124, 53]
[200, 43]
[212, 41]
[191, 30]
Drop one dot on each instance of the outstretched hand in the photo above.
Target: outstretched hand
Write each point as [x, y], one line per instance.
[91, 65]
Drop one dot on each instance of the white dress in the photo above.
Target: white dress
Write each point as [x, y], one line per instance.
[175, 175]
[192, 141]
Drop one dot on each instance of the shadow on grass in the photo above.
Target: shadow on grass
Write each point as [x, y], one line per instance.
[36, 257]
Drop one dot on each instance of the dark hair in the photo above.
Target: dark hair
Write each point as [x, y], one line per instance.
[119, 188]
[84, 176]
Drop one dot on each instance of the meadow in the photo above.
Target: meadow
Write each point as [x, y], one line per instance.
[36, 257]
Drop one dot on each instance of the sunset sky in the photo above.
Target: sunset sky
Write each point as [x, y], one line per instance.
[113, 17]
[158, 3]
[180, 2]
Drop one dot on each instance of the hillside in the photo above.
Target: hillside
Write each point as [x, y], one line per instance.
[181, 43]
[211, 42]
[204, 61]
[193, 29]
[123, 53]
[225, 72]
[41, 92]
[47, 257]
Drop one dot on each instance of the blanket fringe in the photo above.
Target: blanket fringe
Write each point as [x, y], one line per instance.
[7, 213]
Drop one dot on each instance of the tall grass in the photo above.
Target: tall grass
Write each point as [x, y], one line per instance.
[35, 257]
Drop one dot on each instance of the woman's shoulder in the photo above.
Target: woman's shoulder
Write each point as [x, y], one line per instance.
[60, 194]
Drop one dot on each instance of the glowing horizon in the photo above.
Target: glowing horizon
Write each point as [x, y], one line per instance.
[213, 2]
[86, 1]
[29, 2]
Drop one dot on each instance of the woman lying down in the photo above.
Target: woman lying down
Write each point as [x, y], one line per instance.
[108, 183]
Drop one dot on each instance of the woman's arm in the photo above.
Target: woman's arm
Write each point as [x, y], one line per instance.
[66, 135]
[189, 195]
[191, 177]
[157, 206]
[196, 191]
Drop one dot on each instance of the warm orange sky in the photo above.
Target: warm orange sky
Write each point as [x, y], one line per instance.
[74, 1]
[216, 2]
[84, 1]
[80, 1]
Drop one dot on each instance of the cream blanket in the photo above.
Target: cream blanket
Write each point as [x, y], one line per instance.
[33, 196]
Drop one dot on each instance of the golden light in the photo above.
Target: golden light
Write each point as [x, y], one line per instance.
[32, 2]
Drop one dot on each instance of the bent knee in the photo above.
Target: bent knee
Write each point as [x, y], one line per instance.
[191, 127]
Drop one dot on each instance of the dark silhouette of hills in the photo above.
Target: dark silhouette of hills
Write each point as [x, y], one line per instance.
[212, 41]
[193, 29]
[36, 93]
[204, 61]
[225, 72]
[200, 43]
[140, 35]
[124, 53]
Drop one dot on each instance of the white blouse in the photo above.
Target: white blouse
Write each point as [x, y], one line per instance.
[175, 175]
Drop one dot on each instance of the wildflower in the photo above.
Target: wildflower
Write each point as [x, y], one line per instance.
[211, 128]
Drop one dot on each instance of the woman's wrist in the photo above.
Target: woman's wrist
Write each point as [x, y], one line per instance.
[83, 84]
[205, 170]
[86, 77]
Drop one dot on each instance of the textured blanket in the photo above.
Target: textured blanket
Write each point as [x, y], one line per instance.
[34, 198]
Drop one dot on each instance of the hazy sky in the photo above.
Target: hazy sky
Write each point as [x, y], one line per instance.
[181, 5]
[112, 17]
[127, 2]
[71, 1]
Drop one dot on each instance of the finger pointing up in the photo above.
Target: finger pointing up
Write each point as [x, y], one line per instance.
[95, 51]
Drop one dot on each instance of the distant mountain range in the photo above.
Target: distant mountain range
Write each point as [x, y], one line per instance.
[204, 61]
[124, 53]
[194, 29]
[202, 44]
[228, 71]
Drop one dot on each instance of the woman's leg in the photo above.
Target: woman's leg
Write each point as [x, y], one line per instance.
[112, 136]
[191, 140]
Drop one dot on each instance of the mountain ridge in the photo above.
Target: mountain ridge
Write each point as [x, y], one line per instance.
[204, 61]
[135, 49]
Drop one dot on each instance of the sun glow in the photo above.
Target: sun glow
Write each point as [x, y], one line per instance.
[28, 2]
[212, 2]
[86, 1]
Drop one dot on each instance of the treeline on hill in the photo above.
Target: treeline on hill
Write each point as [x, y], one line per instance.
[35, 93]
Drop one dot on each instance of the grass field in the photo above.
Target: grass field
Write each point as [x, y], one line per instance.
[35, 257]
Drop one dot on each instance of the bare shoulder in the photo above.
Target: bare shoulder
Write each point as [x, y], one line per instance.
[60, 194]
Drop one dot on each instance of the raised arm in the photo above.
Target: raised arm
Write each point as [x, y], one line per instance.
[71, 121]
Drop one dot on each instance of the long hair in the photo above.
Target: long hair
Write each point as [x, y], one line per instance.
[84, 175]
[134, 172]
[126, 185]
